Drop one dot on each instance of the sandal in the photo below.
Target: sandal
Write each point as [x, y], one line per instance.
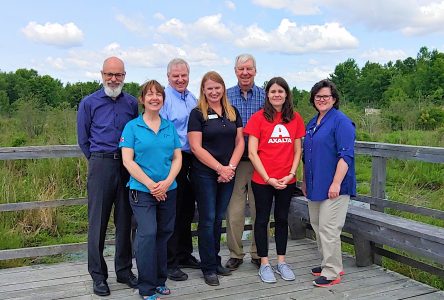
[163, 290]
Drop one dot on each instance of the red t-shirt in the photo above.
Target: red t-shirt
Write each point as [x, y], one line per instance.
[276, 143]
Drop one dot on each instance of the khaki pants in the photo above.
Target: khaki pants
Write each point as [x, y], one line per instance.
[236, 211]
[327, 219]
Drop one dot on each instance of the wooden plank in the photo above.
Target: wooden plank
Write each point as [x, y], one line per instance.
[37, 152]
[422, 153]
[45, 250]
[18, 206]
[71, 280]
[428, 154]
[424, 211]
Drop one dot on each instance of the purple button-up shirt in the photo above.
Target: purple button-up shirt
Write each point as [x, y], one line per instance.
[100, 121]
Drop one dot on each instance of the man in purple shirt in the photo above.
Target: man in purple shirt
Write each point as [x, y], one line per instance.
[100, 121]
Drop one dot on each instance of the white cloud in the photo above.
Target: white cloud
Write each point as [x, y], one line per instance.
[294, 39]
[305, 79]
[430, 18]
[155, 56]
[54, 34]
[206, 27]
[55, 63]
[411, 17]
[159, 16]
[212, 26]
[297, 7]
[383, 55]
[230, 5]
[174, 27]
[133, 24]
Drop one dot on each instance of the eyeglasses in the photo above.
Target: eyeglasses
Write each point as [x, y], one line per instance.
[108, 76]
[322, 97]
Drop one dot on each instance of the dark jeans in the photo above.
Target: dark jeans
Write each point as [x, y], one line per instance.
[212, 202]
[263, 195]
[180, 245]
[155, 224]
[107, 179]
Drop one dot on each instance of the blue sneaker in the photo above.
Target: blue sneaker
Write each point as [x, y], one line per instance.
[266, 274]
[285, 271]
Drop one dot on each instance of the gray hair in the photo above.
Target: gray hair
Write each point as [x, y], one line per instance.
[242, 58]
[177, 61]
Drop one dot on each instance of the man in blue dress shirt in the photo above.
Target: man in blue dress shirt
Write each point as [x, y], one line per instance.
[179, 102]
[100, 120]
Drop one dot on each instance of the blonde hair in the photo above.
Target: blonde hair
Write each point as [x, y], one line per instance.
[202, 104]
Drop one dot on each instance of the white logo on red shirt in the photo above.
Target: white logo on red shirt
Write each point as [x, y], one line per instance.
[279, 135]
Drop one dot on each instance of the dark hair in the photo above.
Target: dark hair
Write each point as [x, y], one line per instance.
[287, 107]
[325, 83]
[147, 87]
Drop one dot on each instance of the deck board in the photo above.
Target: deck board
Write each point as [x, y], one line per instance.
[70, 280]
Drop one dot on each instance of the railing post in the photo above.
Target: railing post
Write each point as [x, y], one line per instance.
[379, 175]
[363, 251]
[296, 224]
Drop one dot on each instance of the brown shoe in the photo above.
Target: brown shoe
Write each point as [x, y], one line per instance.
[233, 263]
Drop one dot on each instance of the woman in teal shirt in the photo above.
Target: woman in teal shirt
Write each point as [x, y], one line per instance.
[151, 153]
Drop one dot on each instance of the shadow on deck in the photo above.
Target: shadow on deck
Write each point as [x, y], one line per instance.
[72, 281]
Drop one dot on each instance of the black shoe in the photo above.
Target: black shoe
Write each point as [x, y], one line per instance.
[101, 288]
[256, 262]
[130, 280]
[191, 262]
[234, 263]
[223, 271]
[177, 275]
[211, 279]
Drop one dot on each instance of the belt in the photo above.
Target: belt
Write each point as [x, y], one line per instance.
[107, 155]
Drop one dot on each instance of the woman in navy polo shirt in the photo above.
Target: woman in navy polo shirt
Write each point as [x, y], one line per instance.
[329, 177]
[151, 153]
[216, 140]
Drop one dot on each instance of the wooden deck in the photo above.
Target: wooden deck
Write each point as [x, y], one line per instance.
[72, 281]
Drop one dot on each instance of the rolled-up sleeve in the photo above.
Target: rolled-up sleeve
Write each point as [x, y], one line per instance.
[345, 140]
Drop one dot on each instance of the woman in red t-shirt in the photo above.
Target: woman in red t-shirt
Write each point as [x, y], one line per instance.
[274, 148]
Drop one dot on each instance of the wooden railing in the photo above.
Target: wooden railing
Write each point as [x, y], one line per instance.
[376, 234]
[369, 229]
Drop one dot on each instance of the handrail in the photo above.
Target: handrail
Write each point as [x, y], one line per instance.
[422, 153]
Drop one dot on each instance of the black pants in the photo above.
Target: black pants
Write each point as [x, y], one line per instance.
[180, 245]
[263, 196]
[107, 179]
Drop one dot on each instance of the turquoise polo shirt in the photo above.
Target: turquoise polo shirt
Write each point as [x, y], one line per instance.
[152, 152]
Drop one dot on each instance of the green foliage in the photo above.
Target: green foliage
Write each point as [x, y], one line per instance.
[431, 118]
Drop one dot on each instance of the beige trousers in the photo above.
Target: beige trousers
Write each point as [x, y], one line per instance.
[242, 193]
[327, 219]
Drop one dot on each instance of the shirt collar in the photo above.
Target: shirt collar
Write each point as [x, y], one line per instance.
[141, 122]
[177, 94]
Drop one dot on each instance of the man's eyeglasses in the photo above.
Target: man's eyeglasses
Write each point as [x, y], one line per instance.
[322, 97]
[108, 76]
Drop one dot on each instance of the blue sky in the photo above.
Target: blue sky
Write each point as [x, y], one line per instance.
[301, 41]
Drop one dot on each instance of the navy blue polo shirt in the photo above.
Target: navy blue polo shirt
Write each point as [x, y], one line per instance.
[100, 121]
[324, 145]
[152, 152]
[218, 135]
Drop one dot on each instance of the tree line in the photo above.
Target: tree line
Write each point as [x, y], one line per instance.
[417, 82]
